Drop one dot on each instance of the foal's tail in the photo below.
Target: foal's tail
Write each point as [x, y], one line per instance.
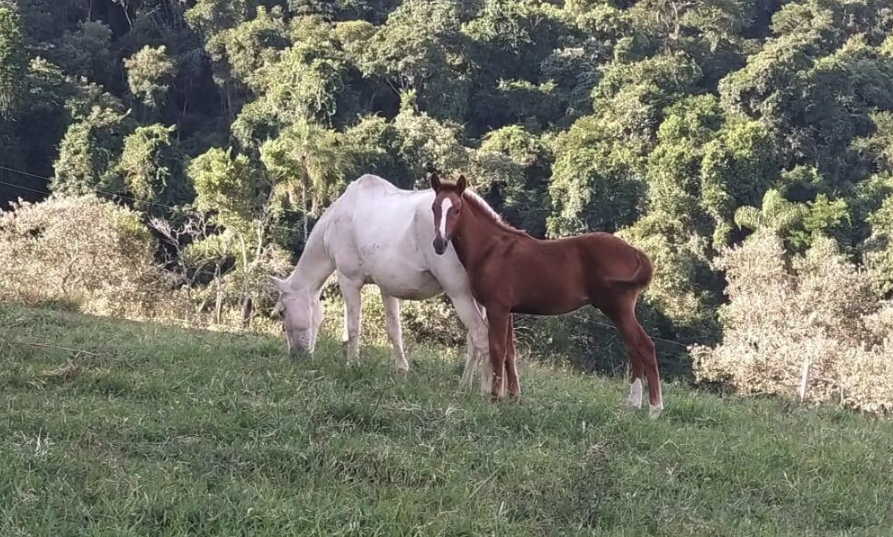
[641, 277]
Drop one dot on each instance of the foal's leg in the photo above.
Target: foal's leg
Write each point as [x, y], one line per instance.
[350, 292]
[510, 369]
[649, 362]
[636, 376]
[499, 327]
[392, 322]
[640, 350]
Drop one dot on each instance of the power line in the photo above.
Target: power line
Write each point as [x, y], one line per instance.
[671, 342]
[95, 191]
[177, 209]
[172, 208]
[22, 172]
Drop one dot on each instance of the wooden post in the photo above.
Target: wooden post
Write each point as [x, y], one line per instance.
[804, 379]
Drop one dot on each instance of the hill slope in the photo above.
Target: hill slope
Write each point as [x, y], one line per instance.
[172, 432]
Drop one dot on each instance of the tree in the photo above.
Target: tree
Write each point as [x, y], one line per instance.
[531, 160]
[425, 140]
[878, 249]
[86, 51]
[150, 165]
[13, 60]
[419, 50]
[209, 17]
[308, 159]
[596, 183]
[245, 52]
[149, 72]
[246, 208]
[88, 153]
[801, 224]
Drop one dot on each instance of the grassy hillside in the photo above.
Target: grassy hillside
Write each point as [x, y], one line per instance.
[171, 432]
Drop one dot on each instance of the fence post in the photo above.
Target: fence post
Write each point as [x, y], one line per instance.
[804, 379]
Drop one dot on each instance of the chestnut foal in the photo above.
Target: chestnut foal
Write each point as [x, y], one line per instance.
[512, 272]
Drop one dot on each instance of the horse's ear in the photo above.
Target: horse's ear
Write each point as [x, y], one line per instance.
[435, 181]
[461, 184]
[280, 285]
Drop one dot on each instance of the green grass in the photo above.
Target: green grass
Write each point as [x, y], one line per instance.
[175, 432]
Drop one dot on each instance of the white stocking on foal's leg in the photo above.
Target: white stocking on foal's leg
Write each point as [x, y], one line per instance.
[350, 292]
[392, 322]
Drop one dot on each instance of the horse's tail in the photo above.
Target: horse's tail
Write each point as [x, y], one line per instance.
[641, 277]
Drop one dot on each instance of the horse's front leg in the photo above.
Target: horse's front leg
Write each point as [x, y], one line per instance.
[350, 292]
[395, 333]
[511, 371]
[499, 328]
[473, 318]
[471, 360]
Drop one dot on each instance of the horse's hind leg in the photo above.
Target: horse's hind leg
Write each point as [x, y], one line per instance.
[511, 372]
[649, 362]
[642, 357]
[350, 292]
[392, 322]
[636, 377]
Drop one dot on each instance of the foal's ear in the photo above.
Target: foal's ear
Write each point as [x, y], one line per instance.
[435, 181]
[461, 184]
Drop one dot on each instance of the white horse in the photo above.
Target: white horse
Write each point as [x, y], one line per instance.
[378, 233]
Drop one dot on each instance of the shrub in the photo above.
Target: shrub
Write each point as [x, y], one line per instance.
[81, 250]
[818, 314]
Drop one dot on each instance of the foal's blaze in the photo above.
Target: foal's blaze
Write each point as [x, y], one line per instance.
[512, 272]
[447, 209]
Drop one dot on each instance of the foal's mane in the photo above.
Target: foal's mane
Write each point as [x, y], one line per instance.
[478, 202]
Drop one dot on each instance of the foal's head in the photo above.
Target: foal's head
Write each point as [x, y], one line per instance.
[301, 313]
[447, 207]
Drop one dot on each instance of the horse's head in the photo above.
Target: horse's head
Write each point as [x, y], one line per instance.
[447, 207]
[301, 313]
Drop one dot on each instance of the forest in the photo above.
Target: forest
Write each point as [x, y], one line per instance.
[161, 158]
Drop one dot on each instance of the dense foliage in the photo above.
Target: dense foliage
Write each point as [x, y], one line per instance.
[686, 125]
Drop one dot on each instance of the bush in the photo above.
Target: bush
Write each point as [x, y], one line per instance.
[819, 314]
[78, 250]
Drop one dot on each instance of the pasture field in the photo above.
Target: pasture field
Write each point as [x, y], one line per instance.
[165, 431]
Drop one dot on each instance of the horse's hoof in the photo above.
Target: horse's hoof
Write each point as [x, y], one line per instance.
[655, 411]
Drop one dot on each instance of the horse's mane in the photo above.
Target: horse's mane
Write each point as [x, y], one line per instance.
[479, 203]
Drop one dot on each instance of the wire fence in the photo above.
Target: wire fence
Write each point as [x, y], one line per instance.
[180, 210]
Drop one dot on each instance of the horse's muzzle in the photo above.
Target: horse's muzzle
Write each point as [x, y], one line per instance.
[440, 245]
[299, 353]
